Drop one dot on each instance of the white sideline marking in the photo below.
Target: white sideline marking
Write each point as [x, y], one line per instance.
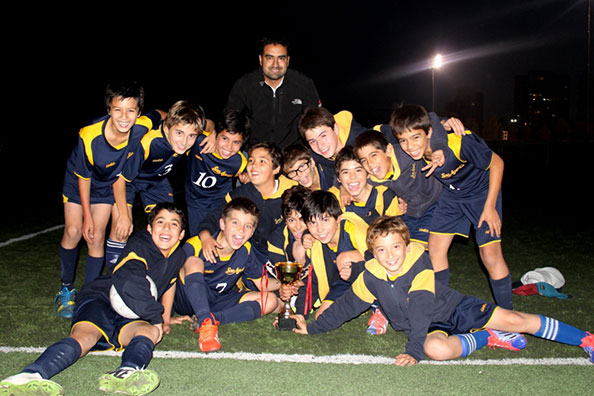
[334, 359]
[29, 236]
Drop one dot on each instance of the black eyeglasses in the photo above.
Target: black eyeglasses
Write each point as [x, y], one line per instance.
[302, 168]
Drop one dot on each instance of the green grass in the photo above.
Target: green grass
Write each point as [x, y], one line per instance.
[31, 273]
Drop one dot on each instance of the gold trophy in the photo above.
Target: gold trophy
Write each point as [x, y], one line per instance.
[287, 273]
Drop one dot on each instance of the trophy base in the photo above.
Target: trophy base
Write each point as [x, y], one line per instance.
[286, 323]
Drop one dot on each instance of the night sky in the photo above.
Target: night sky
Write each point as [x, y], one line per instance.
[363, 57]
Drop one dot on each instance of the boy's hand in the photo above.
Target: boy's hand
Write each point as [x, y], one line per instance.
[88, 229]
[167, 327]
[493, 220]
[299, 251]
[123, 227]
[437, 160]
[287, 291]
[402, 205]
[307, 240]
[344, 262]
[180, 319]
[209, 248]
[345, 197]
[405, 359]
[454, 125]
[244, 178]
[208, 144]
[301, 325]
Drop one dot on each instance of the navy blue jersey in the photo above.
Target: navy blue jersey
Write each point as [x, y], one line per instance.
[381, 202]
[208, 176]
[140, 258]
[153, 159]
[325, 276]
[280, 244]
[96, 159]
[224, 274]
[465, 172]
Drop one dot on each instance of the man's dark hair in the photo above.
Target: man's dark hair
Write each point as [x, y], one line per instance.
[274, 41]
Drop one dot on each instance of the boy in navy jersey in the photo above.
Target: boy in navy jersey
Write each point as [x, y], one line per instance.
[208, 290]
[96, 326]
[337, 253]
[471, 177]
[286, 241]
[440, 323]
[265, 189]
[368, 201]
[91, 170]
[209, 177]
[146, 169]
[300, 166]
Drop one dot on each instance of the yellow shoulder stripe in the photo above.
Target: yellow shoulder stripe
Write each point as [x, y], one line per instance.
[129, 257]
[360, 289]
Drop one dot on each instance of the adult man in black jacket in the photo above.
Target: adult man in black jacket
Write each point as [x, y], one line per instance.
[273, 96]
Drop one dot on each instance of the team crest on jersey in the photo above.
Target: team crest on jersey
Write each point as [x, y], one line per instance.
[233, 271]
[158, 160]
[452, 173]
[297, 101]
[220, 172]
[278, 221]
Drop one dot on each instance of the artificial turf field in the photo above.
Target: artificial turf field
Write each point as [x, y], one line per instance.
[533, 237]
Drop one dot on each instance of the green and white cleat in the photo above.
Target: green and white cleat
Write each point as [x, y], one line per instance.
[29, 384]
[129, 381]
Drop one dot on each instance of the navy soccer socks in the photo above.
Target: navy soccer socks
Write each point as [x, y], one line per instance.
[68, 261]
[195, 290]
[138, 353]
[242, 312]
[502, 291]
[113, 250]
[94, 268]
[56, 358]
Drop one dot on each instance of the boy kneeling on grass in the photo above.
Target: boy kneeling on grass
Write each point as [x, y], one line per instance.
[96, 326]
[207, 290]
[438, 321]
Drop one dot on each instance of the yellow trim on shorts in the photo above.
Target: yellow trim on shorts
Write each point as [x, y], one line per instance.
[122, 329]
[100, 331]
[490, 242]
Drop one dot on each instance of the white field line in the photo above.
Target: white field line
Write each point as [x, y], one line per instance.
[334, 359]
[29, 236]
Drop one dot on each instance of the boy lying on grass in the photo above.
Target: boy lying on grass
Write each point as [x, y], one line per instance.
[438, 321]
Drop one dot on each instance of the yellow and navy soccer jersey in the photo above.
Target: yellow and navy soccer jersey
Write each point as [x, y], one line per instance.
[381, 202]
[280, 244]
[209, 177]
[153, 159]
[222, 276]
[96, 159]
[465, 172]
[348, 130]
[269, 207]
[140, 258]
[411, 301]
[352, 236]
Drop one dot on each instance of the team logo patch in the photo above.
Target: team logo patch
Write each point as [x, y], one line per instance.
[483, 307]
[297, 101]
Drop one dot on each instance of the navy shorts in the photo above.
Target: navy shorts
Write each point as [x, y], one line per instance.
[151, 192]
[470, 314]
[419, 226]
[98, 312]
[454, 217]
[70, 192]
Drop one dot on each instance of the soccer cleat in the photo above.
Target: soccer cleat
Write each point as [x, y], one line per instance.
[129, 381]
[29, 384]
[588, 345]
[208, 341]
[506, 340]
[378, 324]
[64, 302]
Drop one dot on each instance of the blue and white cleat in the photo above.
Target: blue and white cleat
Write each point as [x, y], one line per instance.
[588, 345]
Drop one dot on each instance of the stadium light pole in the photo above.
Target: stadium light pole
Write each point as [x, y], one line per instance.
[437, 62]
